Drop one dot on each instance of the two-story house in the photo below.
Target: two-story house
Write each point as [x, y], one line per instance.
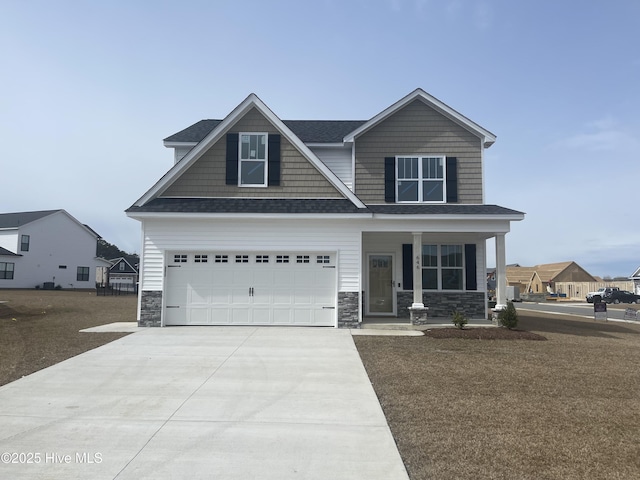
[47, 248]
[122, 275]
[263, 221]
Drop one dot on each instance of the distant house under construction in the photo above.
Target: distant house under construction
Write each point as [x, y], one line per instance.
[545, 277]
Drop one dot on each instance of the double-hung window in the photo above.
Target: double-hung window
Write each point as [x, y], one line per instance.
[253, 160]
[442, 267]
[6, 270]
[24, 243]
[420, 179]
[83, 274]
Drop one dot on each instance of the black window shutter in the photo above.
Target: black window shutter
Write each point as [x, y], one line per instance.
[390, 179]
[452, 180]
[232, 158]
[407, 266]
[274, 159]
[470, 266]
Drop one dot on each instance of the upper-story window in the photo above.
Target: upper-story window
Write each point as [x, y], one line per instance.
[24, 243]
[122, 266]
[420, 179]
[253, 160]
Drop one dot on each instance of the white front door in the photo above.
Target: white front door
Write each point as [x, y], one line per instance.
[381, 285]
[288, 288]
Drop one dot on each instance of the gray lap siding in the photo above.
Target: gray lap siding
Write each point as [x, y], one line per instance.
[206, 177]
[417, 129]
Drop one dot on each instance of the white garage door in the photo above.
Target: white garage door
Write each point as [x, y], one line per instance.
[213, 288]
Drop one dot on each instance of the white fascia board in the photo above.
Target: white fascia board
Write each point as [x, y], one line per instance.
[487, 137]
[250, 102]
[320, 145]
[179, 144]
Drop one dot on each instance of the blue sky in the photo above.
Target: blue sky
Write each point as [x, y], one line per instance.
[89, 90]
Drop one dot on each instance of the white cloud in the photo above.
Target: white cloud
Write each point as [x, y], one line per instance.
[482, 16]
[605, 134]
[453, 8]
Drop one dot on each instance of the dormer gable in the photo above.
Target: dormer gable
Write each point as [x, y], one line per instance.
[207, 170]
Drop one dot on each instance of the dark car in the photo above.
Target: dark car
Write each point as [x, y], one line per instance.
[621, 296]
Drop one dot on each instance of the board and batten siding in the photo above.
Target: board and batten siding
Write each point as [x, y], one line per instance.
[207, 176]
[259, 235]
[417, 129]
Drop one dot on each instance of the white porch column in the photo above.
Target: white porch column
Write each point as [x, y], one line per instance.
[501, 272]
[417, 271]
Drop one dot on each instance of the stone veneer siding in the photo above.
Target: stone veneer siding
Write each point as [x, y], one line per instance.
[443, 304]
[348, 303]
[150, 309]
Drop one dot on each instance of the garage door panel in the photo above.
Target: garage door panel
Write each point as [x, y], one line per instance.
[240, 316]
[263, 277]
[323, 316]
[282, 297]
[262, 315]
[199, 316]
[241, 276]
[240, 296]
[199, 294]
[260, 289]
[221, 314]
[177, 296]
[175, 316]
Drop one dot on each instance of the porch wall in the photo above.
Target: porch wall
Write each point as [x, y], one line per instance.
[443, 304]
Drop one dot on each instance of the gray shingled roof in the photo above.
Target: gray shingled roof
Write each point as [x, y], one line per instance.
[295, 205]
[4, 251]
[442, 209]
[15, 220]
[309, 131]
[246, 205]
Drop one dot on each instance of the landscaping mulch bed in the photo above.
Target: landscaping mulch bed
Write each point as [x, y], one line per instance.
[483, 333]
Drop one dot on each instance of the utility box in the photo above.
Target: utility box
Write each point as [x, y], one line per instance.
[513, 294]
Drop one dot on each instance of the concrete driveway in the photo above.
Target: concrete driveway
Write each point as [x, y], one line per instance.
[201, 402]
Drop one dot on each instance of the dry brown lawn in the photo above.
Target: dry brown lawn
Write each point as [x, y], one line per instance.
[459, 408]
[39, 328]
[565, 408]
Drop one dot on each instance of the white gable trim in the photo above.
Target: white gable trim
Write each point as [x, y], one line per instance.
[487, 137]
[252, 101]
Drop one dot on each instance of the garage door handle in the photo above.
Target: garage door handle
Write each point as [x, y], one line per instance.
[173, 306]
[328, 308]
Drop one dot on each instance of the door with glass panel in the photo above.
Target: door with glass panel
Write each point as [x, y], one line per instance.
[381, 298]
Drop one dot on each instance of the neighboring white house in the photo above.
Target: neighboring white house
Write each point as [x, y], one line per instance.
[47, 249]
[263, 221]
[636, 280]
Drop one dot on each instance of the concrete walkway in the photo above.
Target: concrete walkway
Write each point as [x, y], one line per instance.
[201, 402]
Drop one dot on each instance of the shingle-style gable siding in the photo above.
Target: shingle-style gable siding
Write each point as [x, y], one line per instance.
[206, 177]
[417, 129]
